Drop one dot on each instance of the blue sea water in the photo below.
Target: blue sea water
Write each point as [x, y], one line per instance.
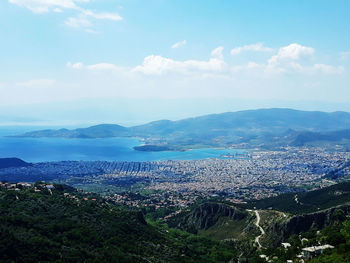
[108, 149]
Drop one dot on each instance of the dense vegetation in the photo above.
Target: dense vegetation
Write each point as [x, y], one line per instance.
[38, 224]
[307, 202]
[214, 219]
[307, 138]
[337, 235]
[68, 226]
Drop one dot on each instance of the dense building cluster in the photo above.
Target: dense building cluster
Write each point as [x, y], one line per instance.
[265, 173]
[161, 199]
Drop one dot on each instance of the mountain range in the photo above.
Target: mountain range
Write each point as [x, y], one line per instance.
[263, 127]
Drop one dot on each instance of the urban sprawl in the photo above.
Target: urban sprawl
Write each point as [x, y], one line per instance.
[260, 174]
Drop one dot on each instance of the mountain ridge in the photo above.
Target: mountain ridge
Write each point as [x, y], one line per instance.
[268, 127]
[12, 162]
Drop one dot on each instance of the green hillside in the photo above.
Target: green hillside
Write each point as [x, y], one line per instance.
[63, 225]
[306, 202]
[212, 219]
[57, 223]
[316, 138]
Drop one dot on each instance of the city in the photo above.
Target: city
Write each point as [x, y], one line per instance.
[261, 174]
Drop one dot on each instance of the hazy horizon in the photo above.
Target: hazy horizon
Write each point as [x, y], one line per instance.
[35, 124]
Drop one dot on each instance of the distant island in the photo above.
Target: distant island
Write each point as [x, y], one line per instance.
[266, 128]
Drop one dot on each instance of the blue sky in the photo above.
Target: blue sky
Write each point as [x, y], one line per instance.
[76, 62]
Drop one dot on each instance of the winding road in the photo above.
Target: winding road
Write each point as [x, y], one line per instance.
[260, 228]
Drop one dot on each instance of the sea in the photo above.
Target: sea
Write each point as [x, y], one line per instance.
[107, 149]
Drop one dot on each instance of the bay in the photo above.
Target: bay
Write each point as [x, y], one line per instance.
[108, 149]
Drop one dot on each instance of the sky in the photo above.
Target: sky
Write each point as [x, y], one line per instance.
[80, 62]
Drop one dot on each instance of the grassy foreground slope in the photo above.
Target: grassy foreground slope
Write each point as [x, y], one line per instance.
[66, 226]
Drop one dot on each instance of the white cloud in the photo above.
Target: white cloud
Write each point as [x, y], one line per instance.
[291, 52]
[78, 65]
[287, 60]
[179, 44]
[157, 65]
[217, 53]
[82, 21]
[77, 22]
[103, 15]
[58, 6]
[37, 83]
[95, 67]
[287, 57]
[44, 6]
[258, 47]
[165, 77]
[103, 66]
[247, 67]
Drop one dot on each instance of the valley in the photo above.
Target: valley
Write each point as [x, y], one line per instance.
[164, 131]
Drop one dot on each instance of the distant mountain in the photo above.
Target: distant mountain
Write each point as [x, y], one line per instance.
[262, 120]
[253, 127]
[12, 162]
[97, 131]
